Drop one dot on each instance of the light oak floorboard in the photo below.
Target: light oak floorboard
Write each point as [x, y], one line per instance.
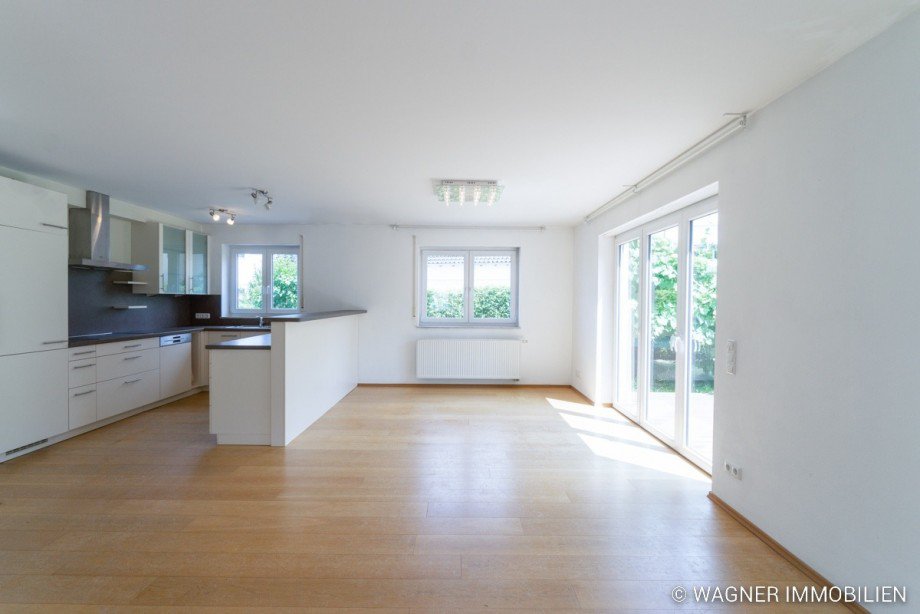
[447, 499]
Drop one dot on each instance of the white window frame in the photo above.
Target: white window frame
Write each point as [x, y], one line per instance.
[267, 251]
[682, 219]
[468, 321]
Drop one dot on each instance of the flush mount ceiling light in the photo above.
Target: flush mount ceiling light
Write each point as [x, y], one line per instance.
[258, 194]
[216, 213]
[461, 191]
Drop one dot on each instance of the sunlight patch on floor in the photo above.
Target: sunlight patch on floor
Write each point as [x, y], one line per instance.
[659, 460]
[609, 435]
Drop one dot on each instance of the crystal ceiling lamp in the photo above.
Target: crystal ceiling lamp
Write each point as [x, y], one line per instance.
[460, 191]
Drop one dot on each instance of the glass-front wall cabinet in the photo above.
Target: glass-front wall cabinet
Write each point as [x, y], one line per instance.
[173, 261]
[176, 259]
[198, 264]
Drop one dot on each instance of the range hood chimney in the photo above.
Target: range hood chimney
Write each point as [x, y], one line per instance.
[89, 236]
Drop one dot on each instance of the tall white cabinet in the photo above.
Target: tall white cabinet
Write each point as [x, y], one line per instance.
[33, 314]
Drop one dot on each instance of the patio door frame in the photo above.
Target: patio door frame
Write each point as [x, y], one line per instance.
[682, 219]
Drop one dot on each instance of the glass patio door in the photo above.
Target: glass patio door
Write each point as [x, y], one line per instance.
[665, 310]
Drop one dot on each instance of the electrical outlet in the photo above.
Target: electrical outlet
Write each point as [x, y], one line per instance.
[731, 356]
[202, 316]
[733, 470]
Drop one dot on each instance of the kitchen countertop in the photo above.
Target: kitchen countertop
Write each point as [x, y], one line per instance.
[264, 342]
[258, 342]
[83, 340]
[317, 315]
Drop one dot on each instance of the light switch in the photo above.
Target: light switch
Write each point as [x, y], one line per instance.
[731, 356]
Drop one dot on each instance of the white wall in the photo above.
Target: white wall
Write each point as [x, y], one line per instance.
[371, 267]
[818, 283]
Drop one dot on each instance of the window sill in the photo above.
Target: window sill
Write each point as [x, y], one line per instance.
[470, 326]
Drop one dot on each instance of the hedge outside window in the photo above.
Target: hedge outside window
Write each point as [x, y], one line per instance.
[264, 279]
[462, 287]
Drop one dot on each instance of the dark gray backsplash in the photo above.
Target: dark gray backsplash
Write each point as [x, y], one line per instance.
[92, 296]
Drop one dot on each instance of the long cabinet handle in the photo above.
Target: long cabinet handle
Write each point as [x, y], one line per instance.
[54, 342]
[130, 357]
[85, 366]
[84, 352]
[53, 225]
[133, 381]
[133, 345]
[80, 394]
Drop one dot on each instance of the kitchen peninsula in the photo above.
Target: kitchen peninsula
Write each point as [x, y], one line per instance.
[267, 389]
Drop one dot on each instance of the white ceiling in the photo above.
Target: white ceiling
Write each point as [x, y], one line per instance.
[347, 110]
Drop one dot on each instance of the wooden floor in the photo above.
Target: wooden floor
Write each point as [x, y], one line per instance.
[398, 500]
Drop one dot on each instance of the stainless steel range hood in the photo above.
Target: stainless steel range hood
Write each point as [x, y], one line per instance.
[89, 236]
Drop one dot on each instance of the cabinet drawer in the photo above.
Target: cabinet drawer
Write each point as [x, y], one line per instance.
[82, 372]
[120, 365]
[79, 353]
[82, 406]
[127, 393]
[216, 336]
[135, 345]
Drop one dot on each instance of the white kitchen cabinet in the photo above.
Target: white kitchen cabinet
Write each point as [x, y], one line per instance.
[82, 406]
[176, 259]
[120, 365]
[81, 372]
[134, 345]
[216, 336]
[126, 393]
[34, 403]
[29, 207]
[33, 303]
[82, 352]
[200, 370]
[175, 369]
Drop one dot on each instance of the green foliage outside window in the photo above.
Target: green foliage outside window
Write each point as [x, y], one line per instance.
[488, 302]
[703, 316]
[284, 281]
[284, 285]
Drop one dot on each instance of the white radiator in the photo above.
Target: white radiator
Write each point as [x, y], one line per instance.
[468, 359]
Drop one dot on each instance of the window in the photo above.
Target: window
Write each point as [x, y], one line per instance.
[264, 279]
[468, 287]
[665, 326]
